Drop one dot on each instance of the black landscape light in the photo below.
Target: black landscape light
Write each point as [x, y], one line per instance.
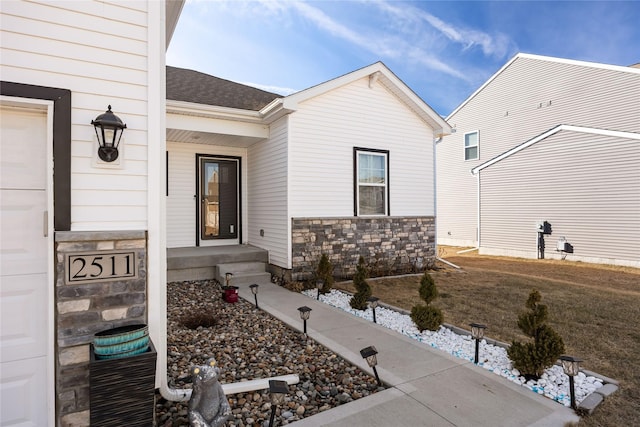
[305, 312]
[277, 390]
[254, 291]
[319, 285]
[369, 354]
[477, 332]
[109, 129]
[373, 303]
[571, 367]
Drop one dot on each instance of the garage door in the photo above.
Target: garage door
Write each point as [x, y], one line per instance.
[24, 296]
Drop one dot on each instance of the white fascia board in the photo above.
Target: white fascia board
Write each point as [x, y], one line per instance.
[274, 110]
[548, 59]
[173, 10]
[216, 125]
[569, 128]
[213, 111]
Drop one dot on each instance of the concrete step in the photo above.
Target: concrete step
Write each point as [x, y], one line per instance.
[244, 273]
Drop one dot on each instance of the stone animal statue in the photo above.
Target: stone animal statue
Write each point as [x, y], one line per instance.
[208, 406]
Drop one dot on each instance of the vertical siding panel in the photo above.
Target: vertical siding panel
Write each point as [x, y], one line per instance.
[528, 98]
[268, 195]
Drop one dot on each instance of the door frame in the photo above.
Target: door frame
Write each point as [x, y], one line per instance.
[48, 106]
[218, 242]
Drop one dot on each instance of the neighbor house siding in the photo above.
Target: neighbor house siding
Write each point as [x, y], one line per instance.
[57, 45]
[586, 186]
[181, 202]
[527, 98]
[324, 132]
[268, 195]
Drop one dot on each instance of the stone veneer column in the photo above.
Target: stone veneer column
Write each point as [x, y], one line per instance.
[84, 309]
[389, 245]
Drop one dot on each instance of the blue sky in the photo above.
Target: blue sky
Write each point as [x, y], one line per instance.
[443, 50]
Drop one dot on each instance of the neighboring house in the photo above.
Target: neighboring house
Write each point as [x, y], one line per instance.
[545, 139]
[344, 168]
[61, 65]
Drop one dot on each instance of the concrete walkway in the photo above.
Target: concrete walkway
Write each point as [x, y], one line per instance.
[427, 387]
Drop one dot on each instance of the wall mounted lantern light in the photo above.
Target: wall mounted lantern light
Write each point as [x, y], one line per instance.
[109, 129]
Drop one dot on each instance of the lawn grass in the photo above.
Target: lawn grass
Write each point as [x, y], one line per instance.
[595, 309]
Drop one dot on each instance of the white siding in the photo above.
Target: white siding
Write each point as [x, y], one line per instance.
[528, 98]
[268, 201]
[181, 204]
[62, 45]
[586, 186]
[324, 132]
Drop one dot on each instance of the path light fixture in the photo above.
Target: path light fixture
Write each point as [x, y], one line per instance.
[277, 391]
[319, 285]
[369, 354]
[305, 312]
[109, 129]
[254, 291]
[571, 367]
[477, 332]
[373, 303]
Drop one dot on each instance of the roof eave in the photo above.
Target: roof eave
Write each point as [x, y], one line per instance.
[213, 111]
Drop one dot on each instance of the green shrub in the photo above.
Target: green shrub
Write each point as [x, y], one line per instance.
[428, 290]
[532, 358]
[359, 301]
[427, 317]
[324, 272]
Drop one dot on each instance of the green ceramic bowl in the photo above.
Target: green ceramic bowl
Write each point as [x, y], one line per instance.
[124, 347]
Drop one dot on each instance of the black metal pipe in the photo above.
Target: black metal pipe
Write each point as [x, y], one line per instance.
[375, 371]
[572, 392]
[256, 298]
[273, 415]
[477, 351]
[374, 315]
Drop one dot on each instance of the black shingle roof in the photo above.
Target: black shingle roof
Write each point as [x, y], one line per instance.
[193, 86]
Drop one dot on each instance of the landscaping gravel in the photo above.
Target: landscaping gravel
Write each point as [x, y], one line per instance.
[250, 344]
[553, 383]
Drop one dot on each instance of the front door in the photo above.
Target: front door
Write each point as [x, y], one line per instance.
[218, 210]
[25, 352]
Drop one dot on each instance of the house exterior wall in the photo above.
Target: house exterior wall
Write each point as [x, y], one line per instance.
[55, 44]
[181, 204]
[391, 245]
[267, 187]
[526, 99]
[586, 186]
[51, 44]
[323, 134]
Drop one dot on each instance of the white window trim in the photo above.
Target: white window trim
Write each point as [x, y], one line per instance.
[464, 143]
[385, 155]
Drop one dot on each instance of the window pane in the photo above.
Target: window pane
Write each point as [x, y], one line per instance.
[371, 200]
[471, 139]
[371, 169]
[471, 153]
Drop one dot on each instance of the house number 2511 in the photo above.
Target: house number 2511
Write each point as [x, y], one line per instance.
[100, 266]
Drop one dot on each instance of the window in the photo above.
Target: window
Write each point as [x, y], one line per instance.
[471, 145]
[372, 182]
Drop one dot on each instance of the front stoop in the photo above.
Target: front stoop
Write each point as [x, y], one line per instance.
[244, 273]
[201, 263]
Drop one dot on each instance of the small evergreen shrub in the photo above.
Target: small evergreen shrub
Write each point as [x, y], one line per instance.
[324, 272]
[427, 316]
[532, 358]
[360, 299]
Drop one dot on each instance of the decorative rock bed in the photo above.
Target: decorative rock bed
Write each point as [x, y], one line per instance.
[250, 344]
[553, 383]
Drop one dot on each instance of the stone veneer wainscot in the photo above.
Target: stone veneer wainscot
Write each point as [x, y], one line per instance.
[389, 245]
[84, 309]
